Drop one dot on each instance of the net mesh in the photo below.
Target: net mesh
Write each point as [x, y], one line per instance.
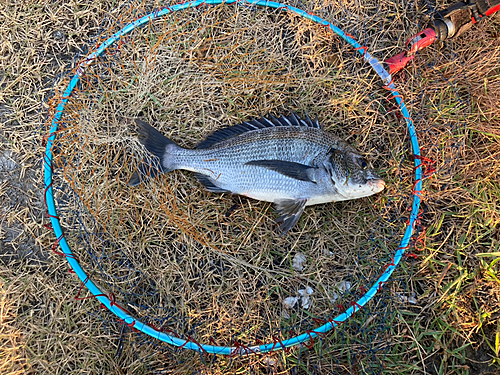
[209, 267]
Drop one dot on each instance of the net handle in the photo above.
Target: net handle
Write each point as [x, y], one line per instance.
[191, 344]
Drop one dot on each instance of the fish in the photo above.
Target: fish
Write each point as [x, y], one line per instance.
[287, 160]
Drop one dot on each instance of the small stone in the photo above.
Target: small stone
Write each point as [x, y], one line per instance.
[298, 262]
[285, 314]
[305, 293]
[59, 35]
[290, 302]
[268, 361]
[334, 298]
[344, 286]
[407, 299]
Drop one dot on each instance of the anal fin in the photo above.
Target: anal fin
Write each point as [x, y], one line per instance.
[290, 210]
[209, 183]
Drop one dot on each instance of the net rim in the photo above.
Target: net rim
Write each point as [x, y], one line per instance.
[189, 343]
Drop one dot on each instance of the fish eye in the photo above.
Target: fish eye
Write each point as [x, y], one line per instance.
[362, 163]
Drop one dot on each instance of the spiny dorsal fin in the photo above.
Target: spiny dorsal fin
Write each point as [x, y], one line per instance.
[260, 123]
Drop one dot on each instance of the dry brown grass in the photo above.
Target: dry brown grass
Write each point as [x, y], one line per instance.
[188, 88]
[12, 360]
[166, 248]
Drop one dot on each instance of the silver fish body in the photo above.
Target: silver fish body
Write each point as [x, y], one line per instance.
[289, 161]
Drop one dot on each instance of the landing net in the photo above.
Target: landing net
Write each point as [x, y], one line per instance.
[200, 281]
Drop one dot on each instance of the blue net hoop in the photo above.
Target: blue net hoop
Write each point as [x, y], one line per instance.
[125, 316]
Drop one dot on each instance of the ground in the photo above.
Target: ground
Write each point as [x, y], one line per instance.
[44, 330]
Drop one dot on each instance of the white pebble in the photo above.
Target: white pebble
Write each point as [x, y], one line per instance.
[335, 297]
[405, 299]
[344, 286]
[290, 302]
[268, 361]
[305, 293]
[298, 262]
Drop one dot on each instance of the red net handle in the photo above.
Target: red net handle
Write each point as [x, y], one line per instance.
[488, 7]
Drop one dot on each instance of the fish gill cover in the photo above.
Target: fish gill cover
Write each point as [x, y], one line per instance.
[210, 268]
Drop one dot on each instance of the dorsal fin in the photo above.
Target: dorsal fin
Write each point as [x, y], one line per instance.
[260, 123]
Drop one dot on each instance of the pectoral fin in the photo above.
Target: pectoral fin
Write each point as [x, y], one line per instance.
[287, 168]
[290, 210]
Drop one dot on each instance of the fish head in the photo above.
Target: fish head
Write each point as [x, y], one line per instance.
[351, 174]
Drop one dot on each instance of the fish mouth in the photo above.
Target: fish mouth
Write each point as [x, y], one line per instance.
[376, 185]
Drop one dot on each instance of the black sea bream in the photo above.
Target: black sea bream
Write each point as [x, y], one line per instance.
[289, 161]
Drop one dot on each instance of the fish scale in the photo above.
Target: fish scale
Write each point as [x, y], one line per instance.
[226, 162]
[286, 160]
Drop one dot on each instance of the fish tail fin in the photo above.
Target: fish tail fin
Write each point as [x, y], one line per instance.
[157, 144]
